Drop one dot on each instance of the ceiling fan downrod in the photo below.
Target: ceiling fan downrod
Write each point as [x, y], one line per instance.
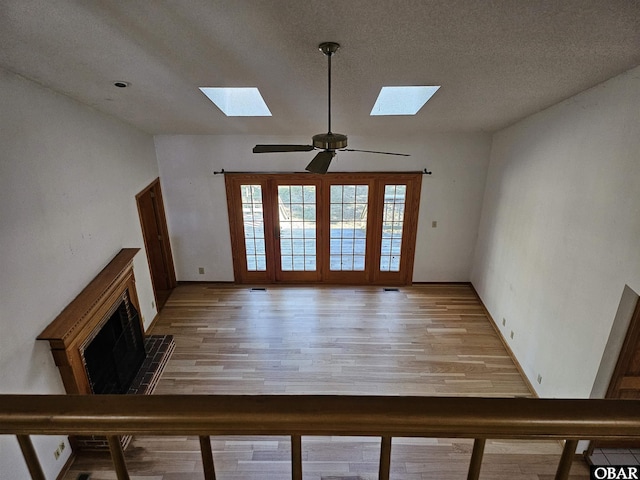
[329, 48]
[329, 141]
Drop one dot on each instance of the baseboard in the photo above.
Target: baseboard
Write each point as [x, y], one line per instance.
[506, 345]
[66, 466]
[153, 323]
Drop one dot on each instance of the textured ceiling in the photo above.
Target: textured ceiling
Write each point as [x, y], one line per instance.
[497, 60]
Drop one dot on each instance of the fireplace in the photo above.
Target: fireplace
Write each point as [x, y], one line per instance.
[113, 357]
[98, 340]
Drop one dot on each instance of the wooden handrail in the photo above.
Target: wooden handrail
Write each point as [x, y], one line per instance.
[297, 416]
[443, 417]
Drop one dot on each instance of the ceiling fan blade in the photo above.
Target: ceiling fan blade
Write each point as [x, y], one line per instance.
[373, 151]
[282, 148]
[320, 163]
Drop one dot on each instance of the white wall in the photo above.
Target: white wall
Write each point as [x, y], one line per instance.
[197, 210]
[560, 232]
[68, 179]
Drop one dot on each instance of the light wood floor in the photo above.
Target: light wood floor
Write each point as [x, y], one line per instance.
[421, 340]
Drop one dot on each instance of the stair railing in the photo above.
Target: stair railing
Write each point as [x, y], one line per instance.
[299, 415]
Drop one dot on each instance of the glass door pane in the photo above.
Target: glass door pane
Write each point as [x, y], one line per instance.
[341, 228]
[392, 227]
[253, 222]
[348, 227]
[297, 220]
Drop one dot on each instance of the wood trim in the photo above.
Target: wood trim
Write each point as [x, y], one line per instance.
[66, 466]
[153, 323]
[161, 221]
[320, 415]
[631, 341]
[165, 234]
[30, 457]
[619, 380]
[272, 223]
[237, 249]
[323, 274]
[68, 332]
[66, 326]
[347, 277]
[506, 345]
[410, 232]
[236, 230]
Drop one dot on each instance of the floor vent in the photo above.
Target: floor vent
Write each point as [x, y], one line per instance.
[259, 289]
[390, 289]
[83, 476]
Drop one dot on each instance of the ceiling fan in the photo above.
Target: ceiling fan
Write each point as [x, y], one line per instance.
[329, 142]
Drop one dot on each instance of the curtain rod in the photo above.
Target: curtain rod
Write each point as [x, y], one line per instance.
[223, 171]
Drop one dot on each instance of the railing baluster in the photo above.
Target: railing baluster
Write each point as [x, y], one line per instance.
[207, 457]
[568, 452]
[385, 458]
[30, 457]
[296, 457]
[476, 459]
[321, 415]
[117, 455]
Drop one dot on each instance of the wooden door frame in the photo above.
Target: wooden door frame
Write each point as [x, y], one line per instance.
[294, 276]
[413, 180]
[236, 228]
[631, 340]
[409, 233]
[165, 243]
[347, 277]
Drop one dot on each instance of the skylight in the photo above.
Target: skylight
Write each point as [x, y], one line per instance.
[238, 101]
[402, 100]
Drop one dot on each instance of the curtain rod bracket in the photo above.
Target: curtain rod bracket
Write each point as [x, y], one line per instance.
[425, 171]
[221, 172]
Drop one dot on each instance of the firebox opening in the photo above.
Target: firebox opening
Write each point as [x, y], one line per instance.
[116, 353]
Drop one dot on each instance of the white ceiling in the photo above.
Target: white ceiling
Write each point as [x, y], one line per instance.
[497, 60]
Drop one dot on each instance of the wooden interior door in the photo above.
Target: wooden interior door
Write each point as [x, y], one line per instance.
[625, 381]
[156, 241]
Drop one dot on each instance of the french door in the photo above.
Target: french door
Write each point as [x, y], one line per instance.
[335, 228]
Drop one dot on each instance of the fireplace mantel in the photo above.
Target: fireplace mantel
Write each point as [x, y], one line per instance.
[83, 317]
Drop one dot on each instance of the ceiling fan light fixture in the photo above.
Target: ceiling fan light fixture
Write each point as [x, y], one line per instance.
[402, 100]
[238, 101]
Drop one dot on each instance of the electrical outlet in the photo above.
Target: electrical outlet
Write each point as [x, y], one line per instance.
[59, 450]
[201, 270]
[512, 334]
[539, 378]
[504, 322]
[153, 304]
